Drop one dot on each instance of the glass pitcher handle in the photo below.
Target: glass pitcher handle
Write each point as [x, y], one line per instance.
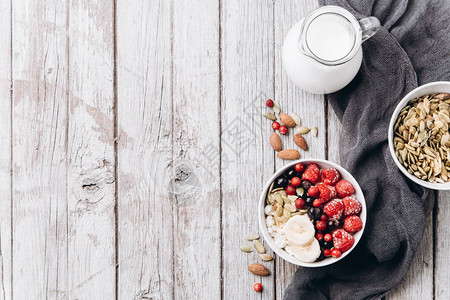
[369, 26]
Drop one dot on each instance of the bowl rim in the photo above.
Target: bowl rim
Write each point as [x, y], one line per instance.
[417, 92]
[262, 217]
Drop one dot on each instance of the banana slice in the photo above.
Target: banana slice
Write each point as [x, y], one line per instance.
[307, 253]
[299, 230]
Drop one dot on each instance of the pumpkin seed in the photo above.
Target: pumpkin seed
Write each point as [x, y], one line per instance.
[303, 130]
[279, 211]
[296, 119]
[270, 116]
[300, 190]
[259, 246]
[252, 236]
[286, 200]
[245, 248]
[291, 208]
[266, 257]
[279, 198]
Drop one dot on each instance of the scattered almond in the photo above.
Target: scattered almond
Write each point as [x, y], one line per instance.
[300, 141]
[258, 269]
[289, 154]
[286, 120]
[275, 142]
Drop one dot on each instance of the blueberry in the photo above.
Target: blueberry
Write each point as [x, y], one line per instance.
[326, 245]
[306, 184]
[309, 201]
[281, 182]
[321, 257]
[314, 213]
[291, 173]
[332, 224]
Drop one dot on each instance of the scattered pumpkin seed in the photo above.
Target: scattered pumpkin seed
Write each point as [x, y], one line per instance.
[246, 248]
[266, 257]
[252, 236]
[303, 130]
[270, 116]
[259, 246]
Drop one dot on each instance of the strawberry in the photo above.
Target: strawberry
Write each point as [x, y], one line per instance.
[334, 209]
[327, 192]
[342, 240]
[312, 173]
[352, 224]
[344, 188]
[330, 176]
[351, 206]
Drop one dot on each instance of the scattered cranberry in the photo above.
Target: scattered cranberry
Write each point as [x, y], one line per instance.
[295, 181]
[313, 191]
[299, 168]
[324, 217]
[317, 202]
[290, 190]
[321, 225]
[283, 130]
[326, 252]
[269, 103]
[257, 287]
[299, 203]
[327, 237]
[336, 253]
[275, 125]
[319, 236]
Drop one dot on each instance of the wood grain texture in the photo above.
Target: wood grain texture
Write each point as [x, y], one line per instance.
[5, 151]
[310, 108]
[91, 179]
[247, 158]
[195, 179]
[145, 241]
[39, 134]
[441, 246]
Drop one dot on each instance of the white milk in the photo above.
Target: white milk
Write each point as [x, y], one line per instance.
[330, 37]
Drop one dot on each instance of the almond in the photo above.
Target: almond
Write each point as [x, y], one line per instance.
[258, 269]
[286, 120]
[275, 142]
[300, 141]
[289, 154]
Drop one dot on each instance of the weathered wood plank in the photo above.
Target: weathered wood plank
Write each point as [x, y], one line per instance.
[145, 231]
[247, 158]
[196, 150]
[441, 246]
[5, 150]
[39, 171]
[91, 178]
[309, 107]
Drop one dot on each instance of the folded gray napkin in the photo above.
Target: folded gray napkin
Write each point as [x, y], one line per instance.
[411, 49]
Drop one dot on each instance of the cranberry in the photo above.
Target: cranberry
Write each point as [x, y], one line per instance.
[283, 130]
[290, 190]
[326, 252]
[336, 253]
[319, 236]
[257, 287]
[269, 103]
[327, 237]
[317, 203]
[275, 125]
[313, 191]
[299, 203]
[295, 181]
[299, 168]
[324, 217]
[321, 225]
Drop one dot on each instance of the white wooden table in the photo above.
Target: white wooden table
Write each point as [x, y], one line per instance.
[133, 150]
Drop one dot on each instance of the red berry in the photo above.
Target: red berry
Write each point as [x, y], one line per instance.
[351, 206]
[319, 236]
[326, 252]
[313, 191]
[334, 209]
[352, 224]
[275, 125]
[257, 287]
[295, 181]
[336, 253]
[327, 237]
[290, 190]
[327, 192]
[269, 103]
[312, 173]
[330, 176]
[299, 168]
[321, 225]
[283, 130]
[299, 203]
[342, 240]
[324, 217]
[344, 188]
[318, 202]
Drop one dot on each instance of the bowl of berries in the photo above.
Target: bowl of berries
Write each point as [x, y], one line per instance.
[312, 212]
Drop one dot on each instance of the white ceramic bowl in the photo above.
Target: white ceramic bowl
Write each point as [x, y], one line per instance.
[262, 217]
[429, 88]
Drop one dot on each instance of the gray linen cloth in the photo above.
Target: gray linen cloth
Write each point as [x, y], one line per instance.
[412, 48]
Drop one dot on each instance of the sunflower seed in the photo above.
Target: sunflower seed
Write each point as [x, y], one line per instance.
[291, 208]
[276, 107]
[296, 119]
[314, 131]
[279, 198]
[279, 211]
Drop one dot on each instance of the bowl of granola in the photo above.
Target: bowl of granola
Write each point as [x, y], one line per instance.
[419, 135]
[312, 212]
